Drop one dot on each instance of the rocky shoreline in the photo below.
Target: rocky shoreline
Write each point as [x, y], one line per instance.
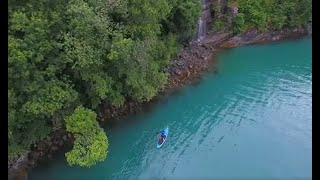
[192, 61]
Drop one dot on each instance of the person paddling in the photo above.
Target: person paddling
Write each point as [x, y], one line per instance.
[162, 136]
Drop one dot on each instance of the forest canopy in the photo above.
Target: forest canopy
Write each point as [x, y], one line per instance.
[66, 57]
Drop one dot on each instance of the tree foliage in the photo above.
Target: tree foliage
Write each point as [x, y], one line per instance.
[183, 18]
[91, 143]
[218, 24]
[272, 14]
[65, 54]
[238, 23]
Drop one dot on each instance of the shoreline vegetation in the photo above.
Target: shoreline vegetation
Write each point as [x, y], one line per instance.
[73, 65]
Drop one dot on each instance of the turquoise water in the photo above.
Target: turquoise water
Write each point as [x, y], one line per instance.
[251, 120]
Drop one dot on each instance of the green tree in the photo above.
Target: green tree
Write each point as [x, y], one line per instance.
[276, 14]
[238, 23]
[183, 19]
[91, 143]
[218, 24]
[35, 91]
